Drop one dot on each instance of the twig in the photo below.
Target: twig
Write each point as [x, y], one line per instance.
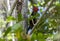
[11, 10]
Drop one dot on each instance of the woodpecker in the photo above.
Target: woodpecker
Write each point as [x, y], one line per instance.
[34, 20]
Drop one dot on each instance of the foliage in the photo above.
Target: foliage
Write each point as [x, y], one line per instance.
[46, 28]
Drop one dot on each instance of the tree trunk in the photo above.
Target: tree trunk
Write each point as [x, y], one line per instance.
[24, 13]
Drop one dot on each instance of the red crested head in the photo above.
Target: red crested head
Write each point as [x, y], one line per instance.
[35, 9]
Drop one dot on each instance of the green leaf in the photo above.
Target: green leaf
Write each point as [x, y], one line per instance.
[7, 31]
[33, 37]
[17, 26]
[20, 17]
[14, 28]
[40, 10]
[2, 39]
[39, 3]
[35, 16]
[10, 18]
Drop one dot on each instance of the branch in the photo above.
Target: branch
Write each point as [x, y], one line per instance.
[38, 22]
[11, 10]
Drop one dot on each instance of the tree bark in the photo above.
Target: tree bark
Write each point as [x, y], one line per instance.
[24, 14]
